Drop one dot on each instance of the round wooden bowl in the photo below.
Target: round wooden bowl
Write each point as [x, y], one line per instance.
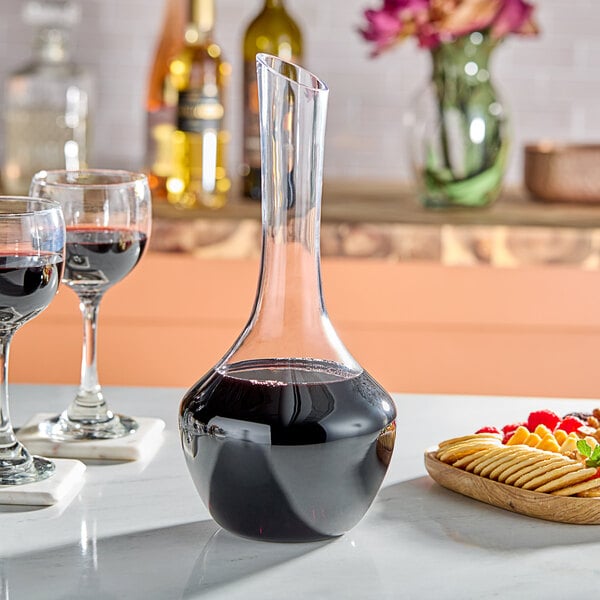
[563, 172]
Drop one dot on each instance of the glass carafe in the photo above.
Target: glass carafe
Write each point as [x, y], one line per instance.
[288, 438]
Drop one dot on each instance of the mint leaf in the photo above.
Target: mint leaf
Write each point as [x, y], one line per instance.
[594, 459]
[593, 456]
[584, 448]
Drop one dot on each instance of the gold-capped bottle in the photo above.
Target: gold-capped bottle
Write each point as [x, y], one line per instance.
[199, 74]
[275, 32]
[161, 100]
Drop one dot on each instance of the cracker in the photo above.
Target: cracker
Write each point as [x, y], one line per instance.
[570, 478]
[523, 459]
[586, 486]
[462, 449]
[489, 456]
[536, 466]
[500, 459]
[593, 493]
[471, 437]
[543, 468]
[513, 456]
[461, 463]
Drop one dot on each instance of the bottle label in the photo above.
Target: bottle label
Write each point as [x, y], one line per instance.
[251, 121]
[251, 149]
[197, 112]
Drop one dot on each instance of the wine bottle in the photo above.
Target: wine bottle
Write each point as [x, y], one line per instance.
[199, 75]
[275, 32]
[46, 109]
[161, 100]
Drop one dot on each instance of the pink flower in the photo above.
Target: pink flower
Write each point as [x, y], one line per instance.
[455, 18]
[408, 6]
[396, 20]
[435, 21]
[383, 28]
[428, 36]
[515, 16]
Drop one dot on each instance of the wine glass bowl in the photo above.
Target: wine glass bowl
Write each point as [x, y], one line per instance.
[32, 244]
[108, 220]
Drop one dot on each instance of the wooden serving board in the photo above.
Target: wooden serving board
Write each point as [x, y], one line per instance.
[580, 511]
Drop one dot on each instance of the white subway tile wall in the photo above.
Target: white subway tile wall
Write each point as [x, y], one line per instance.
[550, 84]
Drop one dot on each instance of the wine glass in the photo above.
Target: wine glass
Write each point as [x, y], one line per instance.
[108, 218]
[32, 246]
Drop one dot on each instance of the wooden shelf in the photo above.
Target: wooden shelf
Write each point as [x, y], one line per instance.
[365, 202]
[385, 221]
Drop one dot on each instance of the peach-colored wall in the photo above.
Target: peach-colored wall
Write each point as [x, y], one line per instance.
[415, 327]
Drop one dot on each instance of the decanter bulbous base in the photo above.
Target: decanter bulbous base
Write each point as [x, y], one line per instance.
[288, 451]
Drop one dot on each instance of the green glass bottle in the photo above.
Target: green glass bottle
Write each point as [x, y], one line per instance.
[275, 32]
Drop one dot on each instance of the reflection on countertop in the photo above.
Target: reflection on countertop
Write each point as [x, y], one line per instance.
[384, 221]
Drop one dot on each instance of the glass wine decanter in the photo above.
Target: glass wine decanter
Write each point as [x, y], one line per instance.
[288, 438]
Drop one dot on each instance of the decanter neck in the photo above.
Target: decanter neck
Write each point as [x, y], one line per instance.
[292, 118]
[289, 319]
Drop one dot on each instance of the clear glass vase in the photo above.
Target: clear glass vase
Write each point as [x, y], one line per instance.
[288, 438]
[459, 134]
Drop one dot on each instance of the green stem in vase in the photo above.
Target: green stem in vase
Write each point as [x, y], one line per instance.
[442, 87]
[465, 164]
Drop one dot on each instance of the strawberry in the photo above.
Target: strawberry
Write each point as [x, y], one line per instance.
[513, 427]
[542, 417]
[570, 424]
[488, 429]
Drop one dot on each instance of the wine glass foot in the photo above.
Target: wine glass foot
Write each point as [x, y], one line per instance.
[37, 469]
[63, 429]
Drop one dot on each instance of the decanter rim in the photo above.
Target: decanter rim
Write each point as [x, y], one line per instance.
[305, 78]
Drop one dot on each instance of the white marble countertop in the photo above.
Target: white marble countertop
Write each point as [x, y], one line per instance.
[140, 531]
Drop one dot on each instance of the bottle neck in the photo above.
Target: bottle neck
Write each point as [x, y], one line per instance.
[274, 4]
[52, 46]
[201, 21]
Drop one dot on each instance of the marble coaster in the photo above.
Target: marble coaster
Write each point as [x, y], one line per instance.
[136, 446]
[65, 483]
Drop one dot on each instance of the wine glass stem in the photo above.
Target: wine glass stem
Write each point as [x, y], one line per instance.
[89, 372]
[7, 435]
[89, 404]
